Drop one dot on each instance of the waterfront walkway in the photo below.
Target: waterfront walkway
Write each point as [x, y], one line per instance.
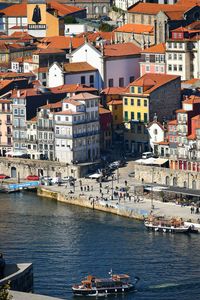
[29, 296]
[102, 193]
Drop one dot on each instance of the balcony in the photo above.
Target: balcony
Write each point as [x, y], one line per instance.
[8, 122]
[8, 134]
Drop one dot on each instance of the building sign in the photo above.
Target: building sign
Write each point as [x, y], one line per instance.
[37, 27]
[36, 15]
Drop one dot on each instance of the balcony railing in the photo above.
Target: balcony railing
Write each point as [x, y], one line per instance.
[8, 122]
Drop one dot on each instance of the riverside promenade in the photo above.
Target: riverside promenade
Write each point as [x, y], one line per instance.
[91, 194]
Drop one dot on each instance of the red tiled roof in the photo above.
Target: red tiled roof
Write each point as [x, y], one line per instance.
[63, 9]
[69, 112]
[72, 88]
[34, 119]
[125, 49]
[191, 136]
[136, 28]
[102, 110]
[115, 102]
[84, 96]
[160, 48]
[151, 81]
[113, 91]
[73, 102]
[181, 111]
[78, 67]
[15, 10]
[173, 11]
[5, 101]
[52, 105]
[192, 99]
[48, 51]
[172, 122]
[61, 42]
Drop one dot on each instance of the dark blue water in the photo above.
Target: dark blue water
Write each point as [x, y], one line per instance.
[65, 243]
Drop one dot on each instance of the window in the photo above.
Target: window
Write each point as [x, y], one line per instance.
[145, 103]
[82, 79]
[66, 118]
[126, 116]
[58, 118]
[15, 111]
[121, 82]
[169, 44]
[156, 69]
[180, 68]
[157, 57]
[110, 82]
[147, 68]
[147, 58]
[169, 67]
[44, 76]
[131, 79]
[180, 45]
[125, 101]
[132, 115]
[139, 129]
[140, 90]
[175, 45]
[138, 102]
[175, 67]
[180, 56]
[91, 79]
[169, 56]
[132, 101]
[132, 89]
[139, 116]
[175, 56]
[145, 118]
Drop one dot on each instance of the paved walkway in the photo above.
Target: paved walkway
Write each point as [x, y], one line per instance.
[91, 188]
[29, 296]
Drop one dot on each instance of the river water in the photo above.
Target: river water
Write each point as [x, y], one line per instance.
[65, 243]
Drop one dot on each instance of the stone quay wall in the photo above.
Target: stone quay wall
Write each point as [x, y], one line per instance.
[170, 177]
[138, 214]
[21, 168]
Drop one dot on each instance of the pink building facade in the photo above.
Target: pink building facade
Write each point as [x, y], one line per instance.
[6, 141]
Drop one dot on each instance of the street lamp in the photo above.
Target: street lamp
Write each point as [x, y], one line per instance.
[112, 186]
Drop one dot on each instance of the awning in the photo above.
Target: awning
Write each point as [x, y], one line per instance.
[152, 161]
[15, 153]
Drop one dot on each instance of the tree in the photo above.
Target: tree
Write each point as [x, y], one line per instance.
[5, 292]
[70, 20]
[106, 27]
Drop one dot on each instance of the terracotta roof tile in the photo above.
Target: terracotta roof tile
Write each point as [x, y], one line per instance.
[73, 102]
[48, 51]
[84, 96]
[154, 8]
[52, 105]
[72, 88]
[68, 112]
[15, 10]
[125, 49]
[102, 110]
[136, 28]
[63, 9]
[115, 102]
[78, 67]
[113, 91]
[151, 81]
[192, 100]
[172, 122]
[160, 48]
[5, 101]
[61, 42]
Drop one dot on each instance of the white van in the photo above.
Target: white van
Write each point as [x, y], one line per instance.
[147, 155]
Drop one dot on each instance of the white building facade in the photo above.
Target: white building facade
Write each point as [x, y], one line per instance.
[77, 134]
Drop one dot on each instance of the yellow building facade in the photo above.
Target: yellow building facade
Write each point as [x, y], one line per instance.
[136, 105]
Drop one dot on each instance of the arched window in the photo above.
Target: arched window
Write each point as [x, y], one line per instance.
[167, 180]
[194, 184]
[104, 9]
[174, 181]
[96, 10]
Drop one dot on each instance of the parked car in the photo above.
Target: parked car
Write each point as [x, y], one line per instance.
[146, 155]
[56, 180]
[68, 178]
[32, 177]
[3, 176]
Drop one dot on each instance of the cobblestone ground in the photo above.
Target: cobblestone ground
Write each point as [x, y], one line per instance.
[91, 188]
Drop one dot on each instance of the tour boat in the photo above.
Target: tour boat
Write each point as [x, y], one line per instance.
[168, 226]
[115, 284]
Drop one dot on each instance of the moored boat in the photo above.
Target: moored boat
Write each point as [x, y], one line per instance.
[116, 284]
[167, 226]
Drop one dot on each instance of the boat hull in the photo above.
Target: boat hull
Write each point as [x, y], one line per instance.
[167, 229]
[103, 291]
